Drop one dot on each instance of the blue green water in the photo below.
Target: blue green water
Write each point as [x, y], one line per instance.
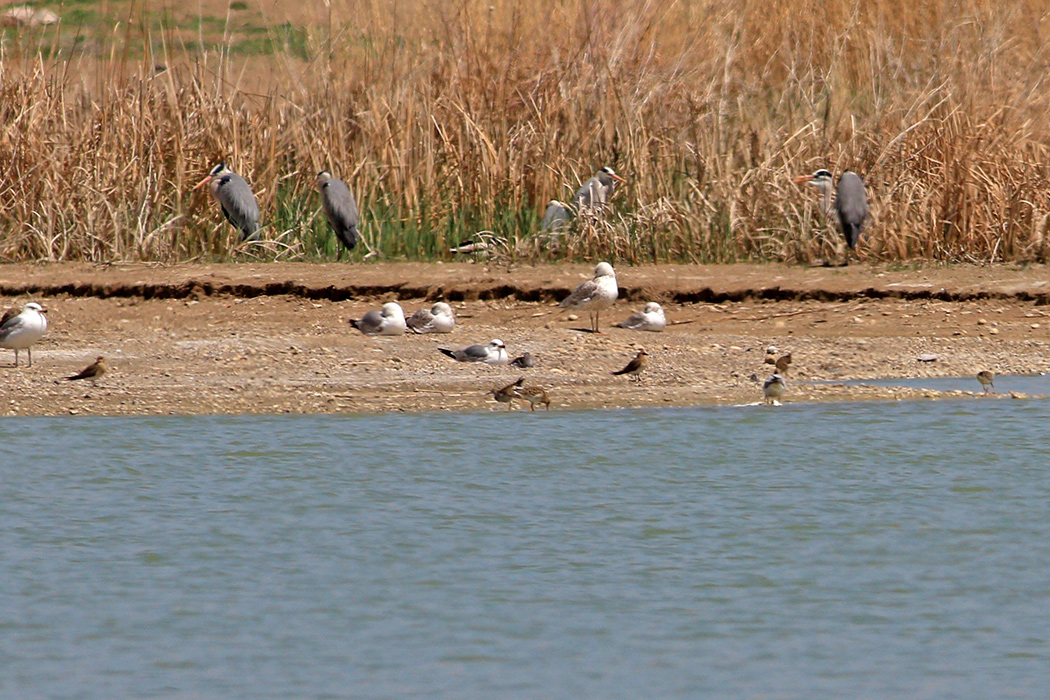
[810, 551]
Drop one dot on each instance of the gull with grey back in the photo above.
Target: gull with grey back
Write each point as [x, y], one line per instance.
[18, 331]
[340, 208]
[495, 353]
[595, 294]
[390, 320]
[236, 198]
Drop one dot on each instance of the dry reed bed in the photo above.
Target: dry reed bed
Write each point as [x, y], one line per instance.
[449, 120]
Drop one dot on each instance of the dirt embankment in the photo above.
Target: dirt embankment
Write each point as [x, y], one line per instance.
[274, 338]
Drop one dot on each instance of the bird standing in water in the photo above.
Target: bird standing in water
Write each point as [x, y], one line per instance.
[986, 378]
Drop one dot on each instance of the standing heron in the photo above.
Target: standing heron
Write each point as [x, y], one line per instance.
[596, 192]
[236, 198]
[341, 209]
[851, 202]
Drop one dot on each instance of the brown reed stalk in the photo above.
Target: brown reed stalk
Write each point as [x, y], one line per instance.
[449, 119]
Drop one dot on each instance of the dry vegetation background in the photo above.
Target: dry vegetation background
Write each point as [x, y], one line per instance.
[449, 118]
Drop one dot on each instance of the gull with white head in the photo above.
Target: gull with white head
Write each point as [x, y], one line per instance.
[495, 353]
[649, 319]
[437, 319]
[595, 294]
[18, 331]
[388, 321]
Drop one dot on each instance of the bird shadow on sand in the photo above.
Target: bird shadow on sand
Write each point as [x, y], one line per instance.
[586, 330]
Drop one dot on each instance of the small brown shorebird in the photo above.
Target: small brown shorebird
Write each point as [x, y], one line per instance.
[94, 371]
[534, 395]
[782, 363]
[986, 378]
[637, 365]
[508, 393]
[773, 389]
[523, 361]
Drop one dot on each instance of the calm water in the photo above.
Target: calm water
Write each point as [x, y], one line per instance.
[896, 550]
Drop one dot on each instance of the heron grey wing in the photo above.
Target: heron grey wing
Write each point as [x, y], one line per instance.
[590, 194]
[556, 217]
[238, 204]
[581, 294]
[341, 209]
[851, 198]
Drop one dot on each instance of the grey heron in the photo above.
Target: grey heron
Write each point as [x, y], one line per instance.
[18, 331]
[594, 294]
[236, 198]
[558, 216]
[340, 208]
[596, 191]
[851, 202]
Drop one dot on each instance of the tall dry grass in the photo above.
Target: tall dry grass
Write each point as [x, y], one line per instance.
[452, 118]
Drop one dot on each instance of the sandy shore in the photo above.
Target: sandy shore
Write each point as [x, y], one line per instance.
[275, 338]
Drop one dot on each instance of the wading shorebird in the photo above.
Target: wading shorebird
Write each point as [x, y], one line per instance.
[534, 395]
[18, 331]
[651, 318]
[508, 393]
[388, 321]
[94, 371]
[595, 294]
[236, 198]
[340, 208]
[986, 378]
[495, 353]
[437, 319]
[773, 389]
[851, 203]
[636, 366]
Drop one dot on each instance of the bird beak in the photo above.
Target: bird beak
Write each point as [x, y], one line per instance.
[803, 178]
[618, 178]
[203, 182]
